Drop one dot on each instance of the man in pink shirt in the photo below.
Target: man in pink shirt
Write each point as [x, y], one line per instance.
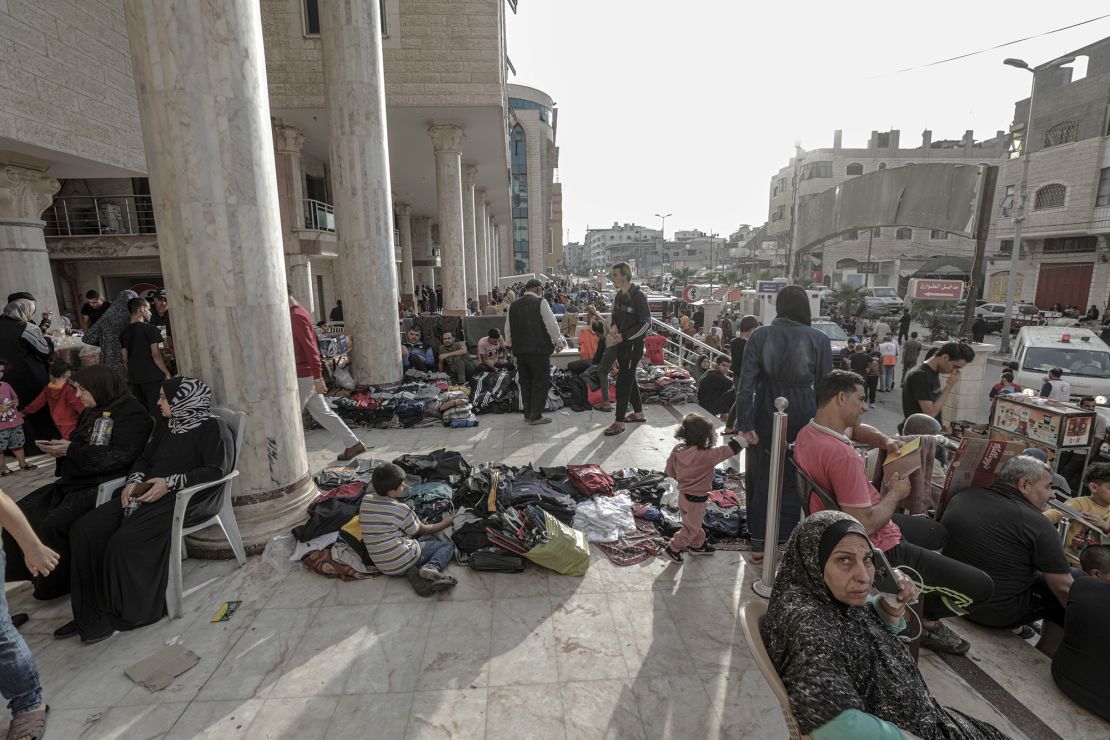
[825, 453]
[310, 381]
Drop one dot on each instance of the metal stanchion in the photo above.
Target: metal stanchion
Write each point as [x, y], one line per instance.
[774, 500]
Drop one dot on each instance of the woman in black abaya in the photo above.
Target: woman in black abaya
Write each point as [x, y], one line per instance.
[120, 561]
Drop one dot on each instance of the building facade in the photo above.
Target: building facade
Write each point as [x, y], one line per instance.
[598, 240]
[1065, 255]
[895, 252]
[533, 160]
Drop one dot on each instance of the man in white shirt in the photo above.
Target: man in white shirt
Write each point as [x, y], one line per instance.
[888, 350]
[1055, 387]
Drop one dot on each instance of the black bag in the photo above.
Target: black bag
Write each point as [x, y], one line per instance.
[495, 560]
[471, 537]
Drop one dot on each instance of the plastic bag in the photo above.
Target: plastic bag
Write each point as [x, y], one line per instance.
[567, 551]
[669, 498]
[344, 379]
[278, 552]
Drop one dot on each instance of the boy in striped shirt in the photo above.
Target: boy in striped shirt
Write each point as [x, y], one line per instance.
[397, 542]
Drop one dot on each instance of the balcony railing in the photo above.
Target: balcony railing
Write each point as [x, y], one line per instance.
[318, 216]
[83, 215]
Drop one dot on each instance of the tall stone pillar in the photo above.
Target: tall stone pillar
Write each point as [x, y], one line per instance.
[447, 141]
[495, 249]
[288, 142]
[434, 253]
[24, 263]
[505, 248]
[300, 280]
[481, 245]
[351, 39]
[470, 250]
[404, 227]
[422, 272]
[491, 252]
[205, 116]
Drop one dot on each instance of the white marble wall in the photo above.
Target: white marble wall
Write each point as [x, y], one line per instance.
[24, 263]
[447, 142]
[351, 34]
[206, 127]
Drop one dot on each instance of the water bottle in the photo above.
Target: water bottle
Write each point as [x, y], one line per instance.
[102, 430]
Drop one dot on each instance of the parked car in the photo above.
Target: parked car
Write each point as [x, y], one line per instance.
[881, 300]
[1023, 314]
[838, 338]
[1084, 358]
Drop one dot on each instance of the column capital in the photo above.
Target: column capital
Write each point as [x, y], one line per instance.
[446, 137]
[288, 139]
[403, 209]
[469, 173]
[24, 193]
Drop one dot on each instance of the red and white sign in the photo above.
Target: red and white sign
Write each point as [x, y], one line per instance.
[691, 293]
[936, 290]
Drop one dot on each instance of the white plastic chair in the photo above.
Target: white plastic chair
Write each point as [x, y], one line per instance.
[751, 613]
[225, 517]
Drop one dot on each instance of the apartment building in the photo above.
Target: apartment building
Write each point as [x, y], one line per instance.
[597, 240]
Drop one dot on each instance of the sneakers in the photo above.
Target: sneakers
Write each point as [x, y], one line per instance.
[705, 549]
[674, 556]
[1025, 632]
[941, 639]
[440, 582]
[540, 420]
[351, 452]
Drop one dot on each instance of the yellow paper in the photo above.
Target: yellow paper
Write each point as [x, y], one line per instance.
[909, 448]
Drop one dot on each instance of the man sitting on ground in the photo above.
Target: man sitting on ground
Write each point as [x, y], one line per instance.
[1081, 667]
[493, 353]
[398, 544]
[415, 353]
[715, 389]
[825, 454]
[1002, 530]
[454, 359]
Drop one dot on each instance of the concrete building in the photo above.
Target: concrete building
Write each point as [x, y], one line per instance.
[533, 159]
[598, 239]
[897, 252]
[348, 149]
[1066, 236]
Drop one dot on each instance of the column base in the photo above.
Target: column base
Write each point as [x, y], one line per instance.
[483, 301]
[455, 312]
[409, 300]
[261, 516]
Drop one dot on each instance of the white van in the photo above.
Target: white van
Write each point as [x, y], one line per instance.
[1084, 358]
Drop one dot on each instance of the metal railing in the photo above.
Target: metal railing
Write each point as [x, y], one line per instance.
[318, 215]
[86, 215]
[681, 350]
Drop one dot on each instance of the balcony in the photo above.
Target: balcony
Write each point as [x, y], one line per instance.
[319, 216]
[100, 215]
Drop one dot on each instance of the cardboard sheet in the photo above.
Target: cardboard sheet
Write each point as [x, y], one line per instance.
[159, 670]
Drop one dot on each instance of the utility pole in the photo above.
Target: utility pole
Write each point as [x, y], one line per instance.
[870, 241]
[988, 177]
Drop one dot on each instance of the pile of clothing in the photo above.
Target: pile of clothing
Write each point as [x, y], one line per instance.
[498, 392]
[668, 387]
[422, 399]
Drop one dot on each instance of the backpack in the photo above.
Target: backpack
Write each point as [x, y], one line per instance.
[590, 480]
[495, 560]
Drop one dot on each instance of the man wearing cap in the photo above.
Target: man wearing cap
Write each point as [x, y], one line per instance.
[748, 324]
[533, 334]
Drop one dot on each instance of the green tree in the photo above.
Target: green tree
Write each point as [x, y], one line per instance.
[941, 318]
[682, 275]
[848, 299]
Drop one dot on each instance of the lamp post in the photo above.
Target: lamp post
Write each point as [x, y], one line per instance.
[1019, 219]
[663, 240]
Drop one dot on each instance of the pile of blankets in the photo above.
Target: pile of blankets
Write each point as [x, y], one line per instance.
[421, 399]
[668, 387]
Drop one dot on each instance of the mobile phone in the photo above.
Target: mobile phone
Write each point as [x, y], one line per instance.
[885, 582]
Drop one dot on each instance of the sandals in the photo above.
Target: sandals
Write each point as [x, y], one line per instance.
[5, 472]
[614, 429]
[633, 420]
[30, 725]
[29, 466]
[603, 407]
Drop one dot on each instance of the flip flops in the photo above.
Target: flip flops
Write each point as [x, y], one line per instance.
[31, 724]
[614, 429]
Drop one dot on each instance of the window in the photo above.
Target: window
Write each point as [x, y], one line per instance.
[1071, 244]
[1062, 133]
[518, 178]
[779, 214]
[816, 169]
[876, 231]
[312, 18]
[1016, 139]
[938, 234]
[1006, 246]
[1008, 201]
[882, 165]
[882, 139]
[782, 184]
[855, 168]
[1050, 196]
[904, 234]
[1103, 197]
[851, 236]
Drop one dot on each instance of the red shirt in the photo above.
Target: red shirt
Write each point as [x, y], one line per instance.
[305, 350]
[65, 408]
[830, 460]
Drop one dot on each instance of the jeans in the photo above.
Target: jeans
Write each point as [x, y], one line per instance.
[434, 553]
[888, 377]
[19, 676]
[324, 415]
[608, 357]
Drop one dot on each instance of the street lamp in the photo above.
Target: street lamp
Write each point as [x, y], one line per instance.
[663, 240]
[1019, 219]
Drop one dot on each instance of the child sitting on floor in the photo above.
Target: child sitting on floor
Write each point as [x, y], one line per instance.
[1094, 509]
[61, 397]
[398, 544]
[11, 426]
[692, 464]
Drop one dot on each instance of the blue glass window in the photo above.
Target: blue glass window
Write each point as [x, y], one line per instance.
[518, 173]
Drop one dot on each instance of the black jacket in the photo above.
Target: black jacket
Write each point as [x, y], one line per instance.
[631, 314]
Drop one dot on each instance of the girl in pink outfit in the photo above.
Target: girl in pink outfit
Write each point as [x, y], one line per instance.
[691, 464]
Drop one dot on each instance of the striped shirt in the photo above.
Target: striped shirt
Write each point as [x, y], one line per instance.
[388, 527]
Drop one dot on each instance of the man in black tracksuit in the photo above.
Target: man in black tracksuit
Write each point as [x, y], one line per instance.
[631, 318]
[533, 333]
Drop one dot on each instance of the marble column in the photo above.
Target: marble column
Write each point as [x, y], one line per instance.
[481, 246]
[491, 235]
[350, 34]
[447, 141]
[205, 116]
[495, 250]
[24, 262]
[404, 227]
[300, 280]
[505, 262]
[422, 272]
[470, 251]
[288, 142]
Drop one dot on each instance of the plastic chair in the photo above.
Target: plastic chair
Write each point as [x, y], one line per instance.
[751, 614]
[225, 517]
[807, 487]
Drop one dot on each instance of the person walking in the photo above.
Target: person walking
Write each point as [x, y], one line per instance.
[904, 326]
[911, 350]
[310, 381]
[783, 359]
[533, 334]
[888, 350]
[631, 318]
[747, 325]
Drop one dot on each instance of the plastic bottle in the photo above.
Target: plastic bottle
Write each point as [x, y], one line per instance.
[102, 430]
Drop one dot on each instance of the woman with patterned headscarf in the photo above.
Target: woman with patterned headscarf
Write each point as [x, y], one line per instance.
[105, 333]
[835, 645]
[121, 549]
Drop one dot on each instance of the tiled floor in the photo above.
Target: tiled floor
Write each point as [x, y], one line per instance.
[648, 651]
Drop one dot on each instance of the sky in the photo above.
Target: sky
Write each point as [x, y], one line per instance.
[690, 108]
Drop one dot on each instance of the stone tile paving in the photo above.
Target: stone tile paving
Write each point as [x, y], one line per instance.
[648, 651]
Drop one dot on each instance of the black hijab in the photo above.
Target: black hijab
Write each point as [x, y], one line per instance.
[793, 303]
[833, 657]
[108, 390]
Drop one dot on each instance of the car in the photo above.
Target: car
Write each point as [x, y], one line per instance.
[838, 338]
[1080, 353]
[1023, 314]
[881, 300]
